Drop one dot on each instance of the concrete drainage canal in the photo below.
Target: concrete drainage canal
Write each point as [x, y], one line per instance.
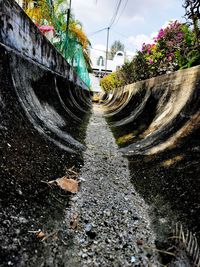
[116, 184]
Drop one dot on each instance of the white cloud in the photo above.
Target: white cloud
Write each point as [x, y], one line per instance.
[99, 13]
[166, 23]
[130, 55]
[139, 39]
[96, 15]
[138, 19]
[126, 20]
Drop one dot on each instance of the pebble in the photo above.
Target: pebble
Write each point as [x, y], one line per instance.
[88, 227]
[109, 200]
[133, 259]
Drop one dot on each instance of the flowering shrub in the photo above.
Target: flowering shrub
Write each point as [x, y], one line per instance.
[110, 82]
[174, 48]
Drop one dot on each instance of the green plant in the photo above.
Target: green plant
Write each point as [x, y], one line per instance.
[110, 82]
[174, 48]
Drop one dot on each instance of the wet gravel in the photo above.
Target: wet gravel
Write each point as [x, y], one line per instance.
[110, 222]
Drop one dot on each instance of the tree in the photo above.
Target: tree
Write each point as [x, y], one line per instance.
[192, 9]
[116, 46]
[54, 13]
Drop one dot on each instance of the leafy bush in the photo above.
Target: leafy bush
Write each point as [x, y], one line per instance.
[174, 48]
[110, 82]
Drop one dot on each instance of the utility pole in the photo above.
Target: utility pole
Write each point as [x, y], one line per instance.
[68, 17]
[108, 31]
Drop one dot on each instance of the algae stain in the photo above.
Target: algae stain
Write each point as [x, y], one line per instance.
[125, 138]
[171, 161]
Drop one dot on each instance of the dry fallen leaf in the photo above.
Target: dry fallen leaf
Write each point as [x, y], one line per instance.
[66, 184]
[40, 234]
[140, 242]
[74, 221]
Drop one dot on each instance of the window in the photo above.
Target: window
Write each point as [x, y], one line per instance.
[100, 61]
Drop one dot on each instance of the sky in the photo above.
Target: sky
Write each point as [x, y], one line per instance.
[137, 21]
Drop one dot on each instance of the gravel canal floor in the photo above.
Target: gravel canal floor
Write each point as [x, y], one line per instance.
[110, 220]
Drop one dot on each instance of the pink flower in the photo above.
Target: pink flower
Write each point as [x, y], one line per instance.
[170, 43]
[160, 34]
[143, 47]
[170, 56]
[179, 35]
[151, 61]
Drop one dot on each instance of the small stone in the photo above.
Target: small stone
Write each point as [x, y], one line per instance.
[140, 242]
[125, 211]
[163, 220]
[107, 212]
[17, 231]
[88, 227]
[81, 179]
[20, 192]
[74, 199]
[82, 241]
[133, 259]
[22, 220]
[84, 255]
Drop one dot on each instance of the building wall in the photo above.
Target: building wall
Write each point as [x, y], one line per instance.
[112, 65]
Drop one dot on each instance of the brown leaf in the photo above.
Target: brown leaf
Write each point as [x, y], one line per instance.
[140, 242]
[40, 234]
[66, 184]
[74, 221]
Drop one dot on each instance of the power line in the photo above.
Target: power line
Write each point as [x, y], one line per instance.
[98, 31]
[115, 13]
[121, 12]
[108, 31]
[113, 18]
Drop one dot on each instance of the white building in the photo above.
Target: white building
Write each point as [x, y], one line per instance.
[99, 63]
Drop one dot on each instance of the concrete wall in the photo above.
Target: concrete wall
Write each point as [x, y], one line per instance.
[156, 123]
[18, 32]
[157, 112]
[44, 110]
[44, 106]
